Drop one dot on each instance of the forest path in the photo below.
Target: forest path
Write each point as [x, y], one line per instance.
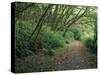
[75, 57]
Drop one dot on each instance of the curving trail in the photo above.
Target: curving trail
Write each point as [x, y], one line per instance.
[76, 57]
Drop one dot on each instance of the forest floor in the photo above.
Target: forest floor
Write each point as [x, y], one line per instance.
[75, 57]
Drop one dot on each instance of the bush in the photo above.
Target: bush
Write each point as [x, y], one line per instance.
[92, 45]
[22, 45]
[77, 35]
[76, 30]
[69, 37]
[48, 40]
[35, 45]
[45, 51]
[51, 52]
[52, 40]
[48, 52]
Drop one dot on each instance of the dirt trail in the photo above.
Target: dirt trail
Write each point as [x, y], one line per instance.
[73, 58]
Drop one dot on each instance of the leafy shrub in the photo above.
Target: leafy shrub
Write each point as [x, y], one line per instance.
[35, 45]
[77, 35]
[45, 51]
[92, 45]
[48, 40]
[52, 40]
[51, 52]
[76, 30]
[48, 52]
[69, 37]
[22, 45]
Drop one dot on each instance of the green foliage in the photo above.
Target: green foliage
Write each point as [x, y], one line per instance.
[48, 52]
[92, 45]
[52, 40]
[69, 37]
[22, 45]
[45, 51]
[51, 52]
[76, 30]
[47, 42]
[36, 45]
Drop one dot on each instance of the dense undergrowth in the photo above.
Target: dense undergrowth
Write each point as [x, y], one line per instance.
[46, 42]
[38, 54]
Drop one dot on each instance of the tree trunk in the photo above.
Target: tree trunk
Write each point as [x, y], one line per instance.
[39, 22]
